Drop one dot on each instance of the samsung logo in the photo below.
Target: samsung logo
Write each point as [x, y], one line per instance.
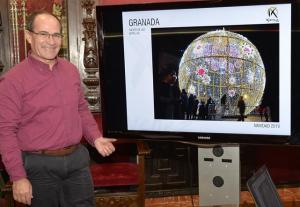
[204, 137]
[144, 22]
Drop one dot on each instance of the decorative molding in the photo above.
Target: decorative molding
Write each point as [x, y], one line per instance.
[172, 192]
[116, 201]
[1, 67]
[17, 13]
[15, 31]
[5, 43]
[1, 31]
[23, 23]
[90, 58]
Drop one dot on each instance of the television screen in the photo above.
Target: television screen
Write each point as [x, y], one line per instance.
[211, 72]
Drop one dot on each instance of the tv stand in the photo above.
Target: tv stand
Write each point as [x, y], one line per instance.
[219, 175]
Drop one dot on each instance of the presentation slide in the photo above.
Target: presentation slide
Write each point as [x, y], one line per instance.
[209, 70]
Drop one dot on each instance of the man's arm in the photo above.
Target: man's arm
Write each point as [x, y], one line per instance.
[91, 130]
[10, 116]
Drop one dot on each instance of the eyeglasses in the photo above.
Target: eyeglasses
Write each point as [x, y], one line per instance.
[46, 35]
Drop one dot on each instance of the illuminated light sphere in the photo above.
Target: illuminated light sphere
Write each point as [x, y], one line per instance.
[222, 62]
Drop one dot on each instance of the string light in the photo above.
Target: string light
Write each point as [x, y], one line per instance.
[223, 62]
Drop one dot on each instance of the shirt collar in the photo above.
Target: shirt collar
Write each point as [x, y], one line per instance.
[40, 64]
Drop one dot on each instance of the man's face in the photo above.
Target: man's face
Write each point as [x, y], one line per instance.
[45, 47]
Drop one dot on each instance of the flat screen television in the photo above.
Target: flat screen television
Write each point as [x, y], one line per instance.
[200, 71]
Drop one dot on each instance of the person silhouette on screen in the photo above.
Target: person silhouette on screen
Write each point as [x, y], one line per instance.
[184, 104]
[191, 103]
[195, 107]
[261, 111]
[223, 105]
[242, 107]
[168, 94]
[267, 113]
[201, 110]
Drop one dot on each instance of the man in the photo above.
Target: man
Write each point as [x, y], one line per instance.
[242, 107]
[43, 116]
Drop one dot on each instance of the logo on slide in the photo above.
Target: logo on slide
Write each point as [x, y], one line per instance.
[273, 12]
[273, 15]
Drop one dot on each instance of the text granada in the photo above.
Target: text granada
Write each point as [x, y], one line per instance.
[144, 22]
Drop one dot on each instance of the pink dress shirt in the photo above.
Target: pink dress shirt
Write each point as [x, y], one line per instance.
[41, 109]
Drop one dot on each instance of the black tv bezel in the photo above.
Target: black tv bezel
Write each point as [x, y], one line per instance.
[199, 138]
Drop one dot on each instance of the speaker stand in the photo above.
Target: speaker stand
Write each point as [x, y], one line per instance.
[219, 175]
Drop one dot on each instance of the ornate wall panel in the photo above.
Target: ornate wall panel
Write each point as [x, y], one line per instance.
[90, 55]
[1, 40]
[83, 51]
[5, 62]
